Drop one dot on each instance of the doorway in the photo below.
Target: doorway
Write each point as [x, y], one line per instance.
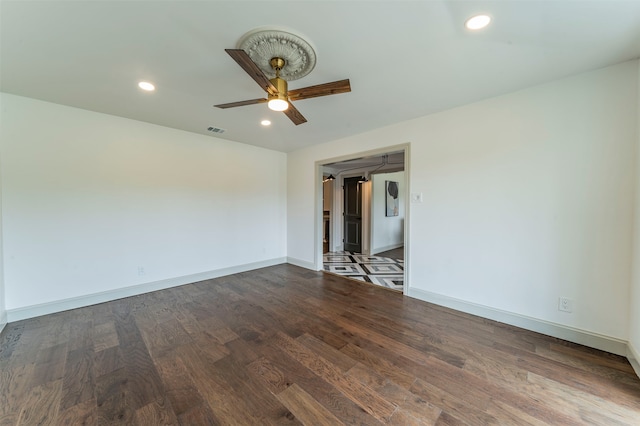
[359, 232]
[352, 216]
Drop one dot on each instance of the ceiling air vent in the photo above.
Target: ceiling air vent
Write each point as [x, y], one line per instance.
[215, 129]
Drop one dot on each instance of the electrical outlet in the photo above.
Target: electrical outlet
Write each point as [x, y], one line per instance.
[565, 304]
[140, 270]
[416, 197]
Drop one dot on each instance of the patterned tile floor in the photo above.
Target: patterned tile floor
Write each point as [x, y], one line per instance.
[378, 270]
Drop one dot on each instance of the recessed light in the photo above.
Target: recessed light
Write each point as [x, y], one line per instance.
[477, 22]
[265, 123]
[145, 85]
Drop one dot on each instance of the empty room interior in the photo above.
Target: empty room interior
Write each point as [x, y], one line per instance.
[320, 212]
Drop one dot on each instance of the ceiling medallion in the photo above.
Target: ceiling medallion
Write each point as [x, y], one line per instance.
[263, 44]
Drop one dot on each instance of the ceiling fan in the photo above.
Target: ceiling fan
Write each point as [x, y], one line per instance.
[279, 98]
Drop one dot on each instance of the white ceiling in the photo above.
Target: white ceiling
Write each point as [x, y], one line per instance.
[405, 59]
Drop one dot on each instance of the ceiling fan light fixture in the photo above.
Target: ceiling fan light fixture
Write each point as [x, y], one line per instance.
[279, 61]
[278, 104]
[278, 101]
[477, 22]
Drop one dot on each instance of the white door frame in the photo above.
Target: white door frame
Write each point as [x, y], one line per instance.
[318, 214]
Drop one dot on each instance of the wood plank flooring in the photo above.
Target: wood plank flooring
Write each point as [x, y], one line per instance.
[284, 345]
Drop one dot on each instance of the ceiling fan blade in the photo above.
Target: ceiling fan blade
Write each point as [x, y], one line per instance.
[242, 103]
[333, 88]
[250, 67]
[294, 115]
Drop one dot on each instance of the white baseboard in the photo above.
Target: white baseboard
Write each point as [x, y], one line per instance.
[302, 263]
[386, 248]
[107, 296]
[583, 337]
[634, 358]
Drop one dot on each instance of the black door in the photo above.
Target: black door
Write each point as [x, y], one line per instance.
[352, 215]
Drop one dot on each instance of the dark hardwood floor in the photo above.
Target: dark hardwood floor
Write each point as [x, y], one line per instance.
[397, 253]
[284, 345]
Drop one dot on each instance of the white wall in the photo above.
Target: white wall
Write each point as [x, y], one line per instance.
[634, 299]
[89, 199]
[387, 231]
[527, 197]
